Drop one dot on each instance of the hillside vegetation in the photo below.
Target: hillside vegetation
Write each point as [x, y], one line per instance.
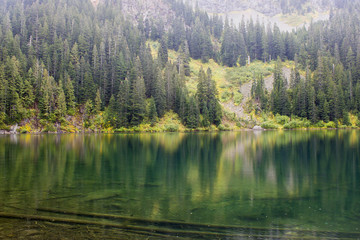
[66, 66]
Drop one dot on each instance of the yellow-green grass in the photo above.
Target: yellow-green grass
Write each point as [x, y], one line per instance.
[296, 20]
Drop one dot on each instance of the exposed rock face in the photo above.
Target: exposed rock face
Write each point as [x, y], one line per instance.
[144, 9]
[148, 9]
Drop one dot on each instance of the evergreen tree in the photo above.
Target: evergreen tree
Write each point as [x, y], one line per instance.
[60, 102]
[279, 95]
[137, 102]
[123, 99]
[346, 120]
[111, 112]
[193, 114]
[163, 52]
[69, 96]
[229, 50]
[44, 102]
[97, 106]
[3, 91]
[152, 113]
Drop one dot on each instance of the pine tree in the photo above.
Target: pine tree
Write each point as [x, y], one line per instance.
[111, 113]
[163, 52]
[229, 50]
[97, 107]
[137, 102]
[152, 113]
[160, 95]
[14, 108]
[89, 108]
[193, 114]
[3, 90]
[279, 95]
[346, 120]
[60, 102]
[323, 106]
[123, 99]
[69, 96]
[44, 101]
[242, 50]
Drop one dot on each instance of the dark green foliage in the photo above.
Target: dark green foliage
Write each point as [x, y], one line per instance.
[123, 104]
[163, 52]
[346, 121]
[152, 113]
[160, 95]
[206, 94]
[279, 96]
[200, 44]
[229, 50]
[111, 112]
[259, 93]
[97, 107]
[60, 102]
[137, 101]
[69, 96]
[192, 113]
[66, 54]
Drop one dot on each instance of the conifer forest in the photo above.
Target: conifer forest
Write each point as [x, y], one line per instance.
[65, 61]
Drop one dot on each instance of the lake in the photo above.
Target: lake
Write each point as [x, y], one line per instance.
[271, 184]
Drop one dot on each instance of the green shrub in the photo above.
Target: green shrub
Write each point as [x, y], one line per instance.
[63, 121]
[230, 115]
[171, 128]
[320, 124]
[293, 124]
[43, 122]
[23, 131]
[49, 127]
[121, 130]
[226, 96]
[330, 124]
[221, 127]
[238, 97]
[269, 125]
[281, 119]
[136, 129]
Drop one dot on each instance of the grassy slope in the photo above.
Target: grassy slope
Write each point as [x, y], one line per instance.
[237, 81]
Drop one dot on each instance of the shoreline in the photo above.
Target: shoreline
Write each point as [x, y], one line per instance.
[5, 132]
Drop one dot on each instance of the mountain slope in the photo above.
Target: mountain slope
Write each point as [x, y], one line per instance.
[268, 7]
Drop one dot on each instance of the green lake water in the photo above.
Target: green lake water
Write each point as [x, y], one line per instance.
[229, 185]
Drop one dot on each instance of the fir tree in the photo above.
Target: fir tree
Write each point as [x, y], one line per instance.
[69, 96]
[193, 114]
[137, 101]
[163, 52]
[111, 112]
[60, 102]
[97, 107]
[123, 99]
[152, 113]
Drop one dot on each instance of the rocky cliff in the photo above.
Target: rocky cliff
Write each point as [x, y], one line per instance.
[144, 9]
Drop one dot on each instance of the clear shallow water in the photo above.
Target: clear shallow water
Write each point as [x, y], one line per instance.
[292, 183]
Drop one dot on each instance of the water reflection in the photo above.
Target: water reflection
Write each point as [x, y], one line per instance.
[297, 179]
